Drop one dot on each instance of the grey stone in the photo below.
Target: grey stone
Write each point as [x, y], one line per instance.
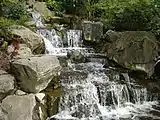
[134, 50]
[34, 41]
[93, 31]
[3, 72]
[3, 115]
[19, 107]
[35, 73]
[76, 57]
[6, 84]
[20, 92]
[23, 51]
[42, 99]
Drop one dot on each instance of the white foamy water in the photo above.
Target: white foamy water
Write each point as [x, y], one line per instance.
[37, 18]
[99, 98]
[74, 38]
[96, 97]
[54, 43]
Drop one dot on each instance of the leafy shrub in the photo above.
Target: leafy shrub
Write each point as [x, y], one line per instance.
[55, 6]
[16, 11]
[131, 15]
[13, 10]
[81, 8]
[4, 22]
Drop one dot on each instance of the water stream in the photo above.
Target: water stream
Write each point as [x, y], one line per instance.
[91, 92]
[54, 43]
[98, 97]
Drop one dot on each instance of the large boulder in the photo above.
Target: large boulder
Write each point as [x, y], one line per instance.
[92, 31]
[3, 115]
[20, 107]
[134, 50]
[22, 52]
[35, 73]
[6, 84]
[34, 41]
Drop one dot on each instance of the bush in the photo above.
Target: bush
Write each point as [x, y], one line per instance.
[4, 22]
[83, 8]
[55, 6]
[131, 15]
[13, 10]
[16, 11]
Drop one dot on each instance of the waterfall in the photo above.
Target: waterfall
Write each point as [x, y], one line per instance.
[54, 43]
[89, 94]
[37, 18]
[74, 38]
[89, 91]
[52, 37]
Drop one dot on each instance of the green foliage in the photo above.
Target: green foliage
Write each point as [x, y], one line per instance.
[55, 5]
[4, 22]
[13, 10]
[83, 8]
[130, 14]
[16, 11]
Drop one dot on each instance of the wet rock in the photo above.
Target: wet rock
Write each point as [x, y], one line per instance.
[76, 57]
[32, 40]
[93, 31]
[6, 84]
[73, 77]
[19, 107]
[63, 61]
[53, 99]
[134, 50]
[35, 73]
[23, 51]
[42, 107]
[84, 110]
[20, 92]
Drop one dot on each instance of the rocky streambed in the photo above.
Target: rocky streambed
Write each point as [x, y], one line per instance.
[113, 82]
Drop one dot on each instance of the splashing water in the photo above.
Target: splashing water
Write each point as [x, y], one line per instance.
[97, 97]
[54, 43]
[37, 18]
[74, 38]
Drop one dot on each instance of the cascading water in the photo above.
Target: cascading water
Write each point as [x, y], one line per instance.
[74, 38]
[97, 97]
[88, 92]
[37, 18]
[54, 43]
